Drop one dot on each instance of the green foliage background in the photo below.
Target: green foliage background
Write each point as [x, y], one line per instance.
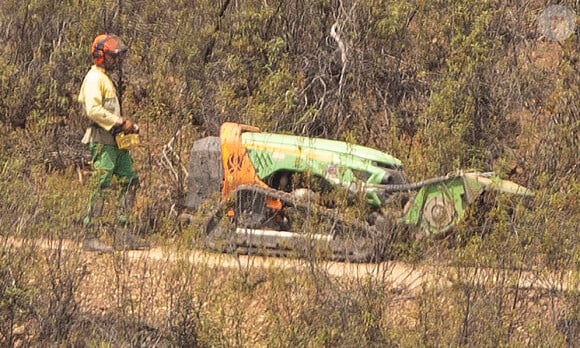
[443, 85]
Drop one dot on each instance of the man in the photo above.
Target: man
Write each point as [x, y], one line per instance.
[99, 97]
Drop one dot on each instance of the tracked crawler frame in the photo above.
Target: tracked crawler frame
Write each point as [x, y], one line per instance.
[271, 185]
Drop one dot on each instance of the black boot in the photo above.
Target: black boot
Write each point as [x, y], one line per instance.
[93, 244]
[125, 240]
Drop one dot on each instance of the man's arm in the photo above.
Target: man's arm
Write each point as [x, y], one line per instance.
[94, 96]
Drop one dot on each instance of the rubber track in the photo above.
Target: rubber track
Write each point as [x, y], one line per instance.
[287, 197]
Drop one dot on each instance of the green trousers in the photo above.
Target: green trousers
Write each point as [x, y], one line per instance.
[108, 162]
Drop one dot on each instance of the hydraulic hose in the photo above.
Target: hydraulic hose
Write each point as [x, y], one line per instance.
[417, 185]
[414, 186]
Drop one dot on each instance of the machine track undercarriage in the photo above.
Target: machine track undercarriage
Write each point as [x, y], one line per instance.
[289, 195]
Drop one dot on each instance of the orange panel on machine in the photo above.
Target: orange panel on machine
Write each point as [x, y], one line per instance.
[238, 169]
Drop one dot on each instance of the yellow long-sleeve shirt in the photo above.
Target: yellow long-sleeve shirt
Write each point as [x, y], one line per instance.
[99, 98]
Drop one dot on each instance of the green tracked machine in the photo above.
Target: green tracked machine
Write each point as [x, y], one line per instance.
[272, 192]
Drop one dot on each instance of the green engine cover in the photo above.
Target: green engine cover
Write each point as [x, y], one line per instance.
[340, 163]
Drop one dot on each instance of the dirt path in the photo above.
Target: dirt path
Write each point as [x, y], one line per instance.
[399, 275]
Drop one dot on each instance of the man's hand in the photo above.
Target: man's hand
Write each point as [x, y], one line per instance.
[124, 126]
[117, 127]
[129, 127]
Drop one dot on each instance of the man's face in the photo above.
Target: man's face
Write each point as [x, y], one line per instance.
[113, 61]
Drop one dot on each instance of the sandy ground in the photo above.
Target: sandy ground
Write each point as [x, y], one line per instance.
[399, 275]
[149, 285]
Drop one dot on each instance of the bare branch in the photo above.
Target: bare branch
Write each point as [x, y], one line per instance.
[343, 50]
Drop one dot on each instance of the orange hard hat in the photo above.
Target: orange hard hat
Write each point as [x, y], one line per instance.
[106, 43]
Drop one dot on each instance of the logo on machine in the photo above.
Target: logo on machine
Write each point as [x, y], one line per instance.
[234, 163]
[331, 170]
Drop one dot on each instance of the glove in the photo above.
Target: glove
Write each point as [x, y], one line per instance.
[128, 127]
[125, 127]
[117, 128]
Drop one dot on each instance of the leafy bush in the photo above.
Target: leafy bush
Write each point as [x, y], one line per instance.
[443, 85]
